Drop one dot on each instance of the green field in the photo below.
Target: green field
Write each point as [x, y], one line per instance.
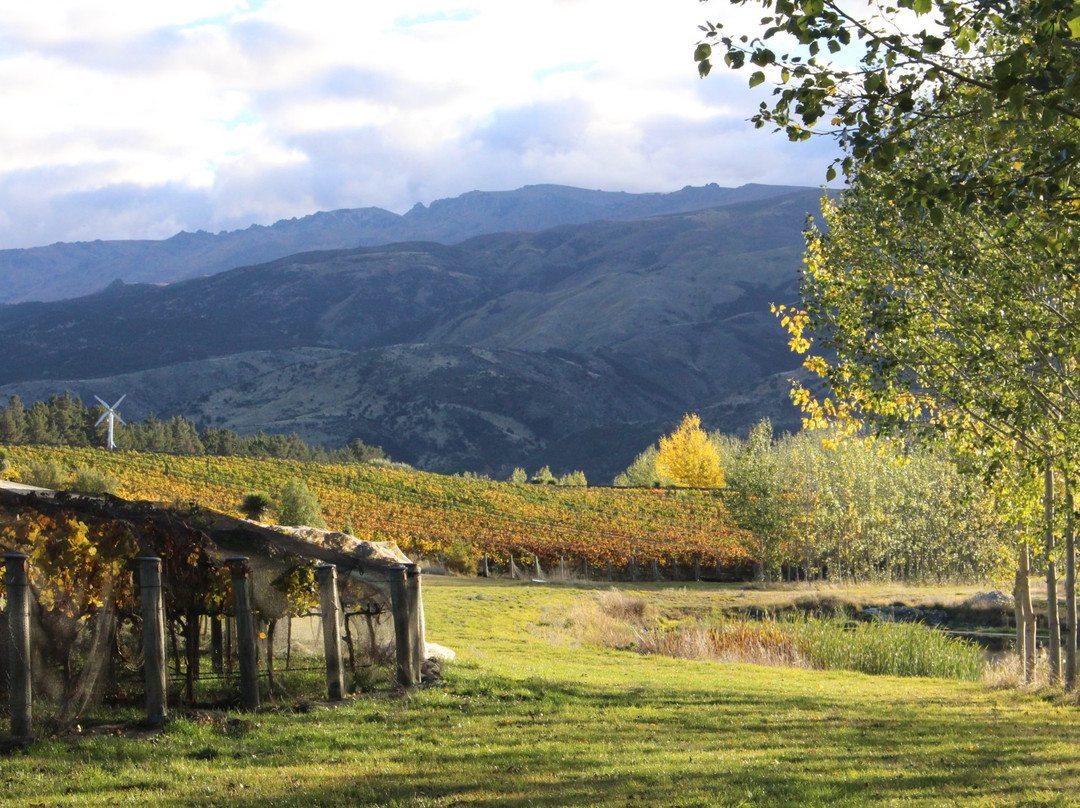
[528, 715]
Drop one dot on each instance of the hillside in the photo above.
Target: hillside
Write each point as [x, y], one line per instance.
[67, 270]
[432, 514]
[482, 355]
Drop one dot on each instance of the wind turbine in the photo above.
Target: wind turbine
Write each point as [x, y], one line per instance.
[112, 415]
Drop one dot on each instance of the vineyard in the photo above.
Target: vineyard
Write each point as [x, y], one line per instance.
[432, 515]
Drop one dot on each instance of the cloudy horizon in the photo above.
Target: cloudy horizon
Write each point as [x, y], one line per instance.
[139, 120]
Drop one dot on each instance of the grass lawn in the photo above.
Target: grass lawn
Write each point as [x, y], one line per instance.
[529, 716]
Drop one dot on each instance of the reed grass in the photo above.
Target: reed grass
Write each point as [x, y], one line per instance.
[894, 649]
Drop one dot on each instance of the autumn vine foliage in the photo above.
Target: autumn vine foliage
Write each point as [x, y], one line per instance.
[429, 514]
[74, 569]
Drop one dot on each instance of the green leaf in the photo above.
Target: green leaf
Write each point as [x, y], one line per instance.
[757, 78]
[923, 6]
[703, 52]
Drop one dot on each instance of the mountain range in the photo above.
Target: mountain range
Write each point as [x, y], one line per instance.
[66, 270]
[547, 325]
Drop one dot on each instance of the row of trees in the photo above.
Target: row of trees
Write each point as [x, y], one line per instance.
[63, 420]
[841, 510]
[945, 290]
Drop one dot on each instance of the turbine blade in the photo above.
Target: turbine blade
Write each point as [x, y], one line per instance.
[104, 415]
[121, 420]
[103, 404]
[117, 404]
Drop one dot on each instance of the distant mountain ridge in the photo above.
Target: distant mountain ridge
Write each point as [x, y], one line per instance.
[576, 345]
[67, 270]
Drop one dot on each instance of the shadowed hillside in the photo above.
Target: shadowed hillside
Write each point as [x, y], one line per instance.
[481, 355]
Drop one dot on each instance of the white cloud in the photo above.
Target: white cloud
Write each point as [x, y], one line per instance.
[136, 119]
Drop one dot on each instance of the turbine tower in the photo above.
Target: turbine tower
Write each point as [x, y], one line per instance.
[112, 415]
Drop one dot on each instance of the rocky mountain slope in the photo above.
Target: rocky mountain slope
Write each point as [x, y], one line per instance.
[575, 345]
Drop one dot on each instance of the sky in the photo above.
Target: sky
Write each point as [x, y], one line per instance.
[142, 118]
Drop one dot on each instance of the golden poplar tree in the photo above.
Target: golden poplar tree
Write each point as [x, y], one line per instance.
[689, 458]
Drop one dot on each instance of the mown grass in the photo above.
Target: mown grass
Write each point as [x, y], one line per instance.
[532, 714]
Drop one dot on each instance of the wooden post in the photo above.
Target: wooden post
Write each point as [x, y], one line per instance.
[610, 571]
[230, 643]
[486, 571]
[217, 645]
[513, 568]
[330, 606]
[17, 580]
[585, 570]
[246, 652]
[271, 629]
[633, 569]
[655, 570]
[416, 636]
[155, 671]
[562, 566]
[399, 601]
[537, 572]
[697, 569]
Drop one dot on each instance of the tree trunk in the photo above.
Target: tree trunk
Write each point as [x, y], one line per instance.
[1025, 616]
[1053, 624]
[1070, 590]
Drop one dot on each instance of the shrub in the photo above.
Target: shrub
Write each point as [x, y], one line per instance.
[299, 506]
[255, 505]
[543, 476]
[459, 557]
[91, 481]
[574, 479]
[43, 474]
[519, 476]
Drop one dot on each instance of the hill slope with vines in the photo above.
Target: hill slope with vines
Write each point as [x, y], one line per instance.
[430, 514]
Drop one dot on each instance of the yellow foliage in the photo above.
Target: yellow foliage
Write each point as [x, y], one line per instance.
[689, 457]
[73, 569]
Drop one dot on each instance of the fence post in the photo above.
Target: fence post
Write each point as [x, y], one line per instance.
[246, 653]
[537, 572]
[153, 634]
[330, 607]
[513, 568]
[17, 580]
[416, 636]
[697, 569]
[610, 571]
[399, 602]
[485, 570]
[217, 645]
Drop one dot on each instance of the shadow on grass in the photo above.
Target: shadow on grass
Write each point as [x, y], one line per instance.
[490, 740]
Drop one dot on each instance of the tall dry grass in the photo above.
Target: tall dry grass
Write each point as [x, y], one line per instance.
[617, 620]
